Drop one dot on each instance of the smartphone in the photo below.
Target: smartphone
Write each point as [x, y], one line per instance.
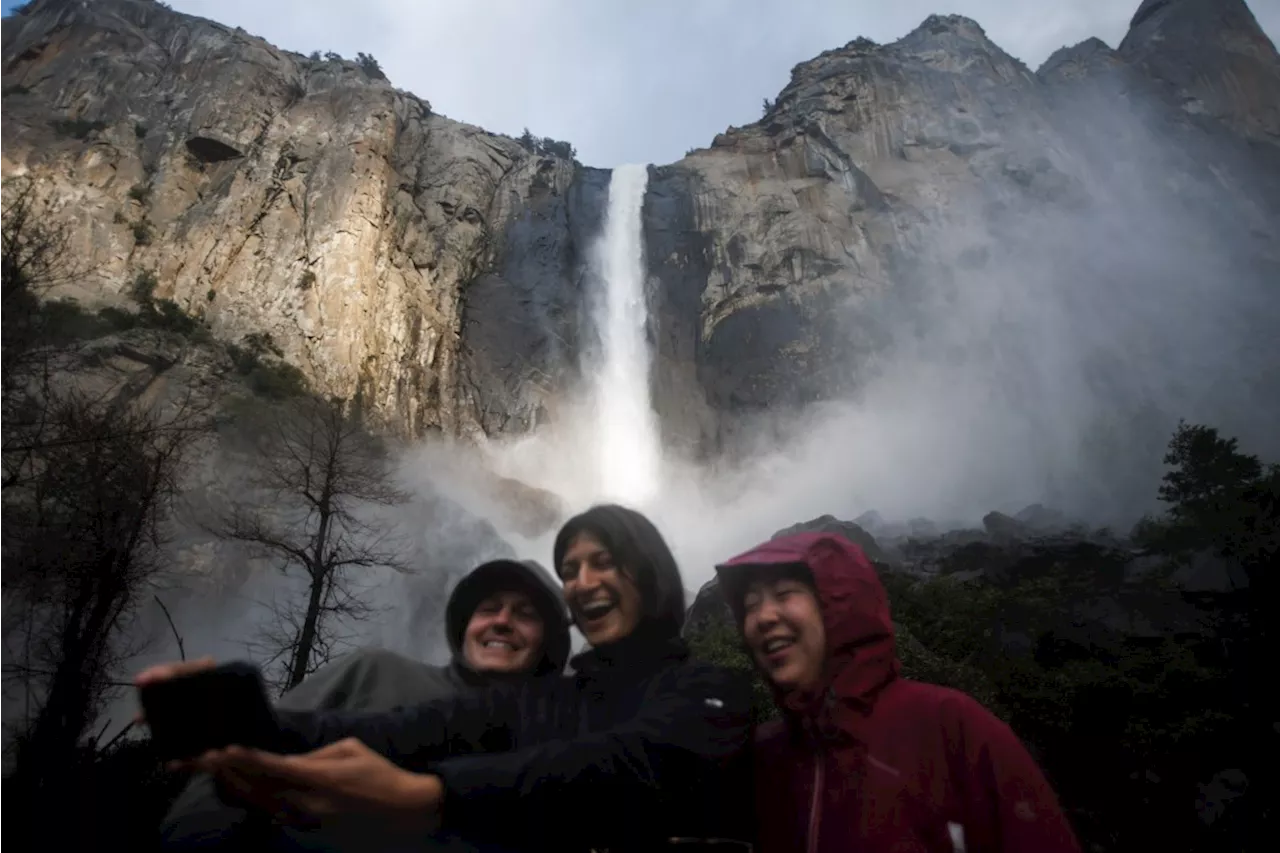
[223, 706]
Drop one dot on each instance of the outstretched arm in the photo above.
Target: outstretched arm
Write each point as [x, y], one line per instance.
[622, 784]
[414, 736]
[199, 818]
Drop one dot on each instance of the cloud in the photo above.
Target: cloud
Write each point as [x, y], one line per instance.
[634, 82]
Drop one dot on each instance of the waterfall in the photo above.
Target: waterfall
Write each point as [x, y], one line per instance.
[626, 433]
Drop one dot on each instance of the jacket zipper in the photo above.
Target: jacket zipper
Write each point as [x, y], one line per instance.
[815, 805]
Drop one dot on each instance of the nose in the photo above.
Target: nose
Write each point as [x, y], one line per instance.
[502, 619]
[767, 612]
[587, 579]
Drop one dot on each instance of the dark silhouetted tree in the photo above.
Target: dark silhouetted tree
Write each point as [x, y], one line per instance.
[83, 534]
[315, 481]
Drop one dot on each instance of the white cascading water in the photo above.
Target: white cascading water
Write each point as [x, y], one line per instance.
[626, 436]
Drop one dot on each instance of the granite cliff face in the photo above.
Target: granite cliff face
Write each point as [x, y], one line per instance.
[273, 193]
[809, 234]
[441, 269]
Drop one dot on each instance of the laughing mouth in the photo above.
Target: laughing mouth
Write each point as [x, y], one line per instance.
[499, 644]
[777, 644]
[595, 609]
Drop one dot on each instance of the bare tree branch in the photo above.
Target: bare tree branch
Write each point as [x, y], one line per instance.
[182, 651]
[315, 484]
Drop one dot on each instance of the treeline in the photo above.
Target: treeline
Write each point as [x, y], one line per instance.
[546, 146]
[92, 475]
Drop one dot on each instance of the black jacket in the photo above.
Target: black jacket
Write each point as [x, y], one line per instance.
[639, 746]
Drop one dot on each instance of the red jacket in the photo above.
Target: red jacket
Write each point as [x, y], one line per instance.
[873, 762]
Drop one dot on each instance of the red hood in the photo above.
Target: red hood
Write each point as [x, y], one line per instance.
[855, 610]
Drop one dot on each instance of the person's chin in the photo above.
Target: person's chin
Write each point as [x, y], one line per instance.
[603, 636]
[507, 667]
[488, 661]
[784, 681]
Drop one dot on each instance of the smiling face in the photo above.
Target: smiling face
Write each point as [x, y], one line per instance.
[783, 627]
[605, 603]
[504, 634]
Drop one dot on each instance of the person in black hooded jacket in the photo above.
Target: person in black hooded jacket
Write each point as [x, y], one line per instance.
[487, 604]
[638, 747]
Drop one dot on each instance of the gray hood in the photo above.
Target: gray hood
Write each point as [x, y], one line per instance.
[525, 575]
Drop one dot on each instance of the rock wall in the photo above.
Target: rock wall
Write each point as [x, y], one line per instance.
[274, 193]
[883, 171]
[441, 269]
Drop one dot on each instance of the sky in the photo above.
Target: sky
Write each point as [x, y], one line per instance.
[635, 82]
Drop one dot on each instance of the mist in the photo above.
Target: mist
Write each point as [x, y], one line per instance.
[1041, 349]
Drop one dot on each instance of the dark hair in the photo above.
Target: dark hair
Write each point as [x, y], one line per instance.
[640, 553]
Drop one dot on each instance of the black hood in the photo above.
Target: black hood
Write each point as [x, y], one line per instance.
[639, 549]
[527, 576]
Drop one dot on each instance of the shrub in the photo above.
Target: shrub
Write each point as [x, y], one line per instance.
[370, 66]
[276, 379]
[139, 130]
[143, 288]
[168, 315]
[142, 233]
[140, 193]
[117, 319]
[545, 145]
[261, 343]
[66, 322]
[307, 279]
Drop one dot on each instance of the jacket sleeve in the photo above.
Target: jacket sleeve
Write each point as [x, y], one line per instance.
[1009, 805]
[413, 736]
[608, 787]
[199, 820]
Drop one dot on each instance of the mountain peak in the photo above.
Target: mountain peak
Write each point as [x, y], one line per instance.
[1226, 24]
[946, 30]
[1078, 60]
[954, 43]
[1214, 57]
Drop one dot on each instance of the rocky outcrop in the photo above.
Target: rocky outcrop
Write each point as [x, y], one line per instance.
[274, 193]
[881, 171]
[1215, 60]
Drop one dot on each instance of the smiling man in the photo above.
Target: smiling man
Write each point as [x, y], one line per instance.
[504, 622]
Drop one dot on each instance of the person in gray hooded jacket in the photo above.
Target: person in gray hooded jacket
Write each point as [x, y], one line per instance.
[505, 621]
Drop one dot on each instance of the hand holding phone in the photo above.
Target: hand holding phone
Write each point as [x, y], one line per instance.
[208, 707]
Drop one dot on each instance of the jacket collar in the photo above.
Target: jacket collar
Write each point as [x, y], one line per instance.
[460, 671]
[649, 647]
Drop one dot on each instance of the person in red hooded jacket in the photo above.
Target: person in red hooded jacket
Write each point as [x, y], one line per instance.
[865, 760]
